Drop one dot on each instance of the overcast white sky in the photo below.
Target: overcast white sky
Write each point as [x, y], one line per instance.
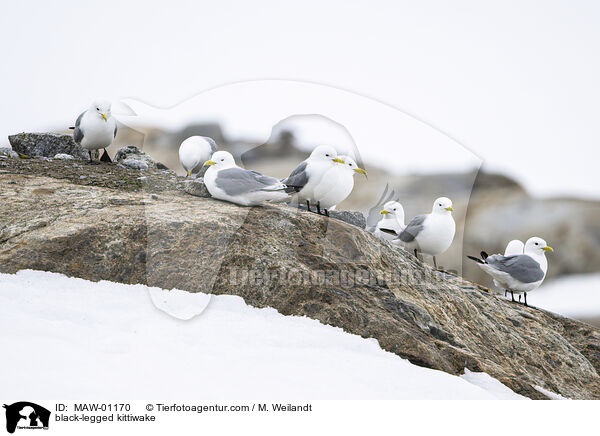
[515, 82]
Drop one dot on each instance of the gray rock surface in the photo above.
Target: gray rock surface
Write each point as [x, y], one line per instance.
[63, 156]
[294, 261]
[8, 152]
[46, 145]
[196, 187]
[135, 164]
[130, 154]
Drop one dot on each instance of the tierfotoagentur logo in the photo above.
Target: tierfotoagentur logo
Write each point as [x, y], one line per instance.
[24, 415]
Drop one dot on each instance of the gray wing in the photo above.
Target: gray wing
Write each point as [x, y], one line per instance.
[519, 266]
[414, 227]
[77, 132]
[237, 181]
[213, 144]
[374, 214]
[298, 178]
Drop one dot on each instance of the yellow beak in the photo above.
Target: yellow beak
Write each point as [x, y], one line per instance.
[548, 248]
[105, 117]
[210, 162]
[189, 173]
[449, 208]
[384, 212]
[360, 170]
[338, 160]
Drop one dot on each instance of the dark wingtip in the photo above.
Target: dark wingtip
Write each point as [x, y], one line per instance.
[71, 128]
[476, 259]
[105, 157]
[389, 231]
[484, 255]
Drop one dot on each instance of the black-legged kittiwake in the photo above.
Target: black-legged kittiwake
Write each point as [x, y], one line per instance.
[194, 151]
[430, 233]
[226, 181]
[392, 218]
[515, 246]
[520, 273]
[373, 216]
[96, 129]
[309, 174]
[337, 183]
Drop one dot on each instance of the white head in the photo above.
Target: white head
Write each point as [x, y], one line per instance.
[221, 159]
[514, 247]
[536, 246]
[324, 153]
[101, 108]
[442, 205]
[393, 209]
[350, 164]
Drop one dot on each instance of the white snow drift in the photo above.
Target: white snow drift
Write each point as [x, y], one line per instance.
[71, 338]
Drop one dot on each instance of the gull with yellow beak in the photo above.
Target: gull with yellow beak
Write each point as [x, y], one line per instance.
[431, 233]
[520, 273]
[226, 181]
[194, 151]
[96, 129]
[337, 183]
[392, 218]
[309, 174]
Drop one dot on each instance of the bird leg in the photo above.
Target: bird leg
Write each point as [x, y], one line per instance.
[319, 207]
[525, 294]
[434, 263]
[92, 161]
[505, 293]
[326, 212]
[519, 298]
[512, 294]
[308, 206]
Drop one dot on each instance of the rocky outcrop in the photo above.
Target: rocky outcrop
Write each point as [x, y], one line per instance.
[105, 222]
[8, 152]
[46, 145]
[132, 157]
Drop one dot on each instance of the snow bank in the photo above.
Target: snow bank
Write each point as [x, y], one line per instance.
[576, 296]
[71, 338]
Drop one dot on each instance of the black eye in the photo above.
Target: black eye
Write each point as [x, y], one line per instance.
[537, 243]
[440, 204]
[222, 160]
[327, 155]
[97, 108]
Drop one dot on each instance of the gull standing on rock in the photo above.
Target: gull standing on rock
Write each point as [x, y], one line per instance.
[515, 246]
[337, 183]
[309, 174]
[226, 181]
[430, 233]
[194, 151]
[96, 129]
[519, 273]
[392, 218]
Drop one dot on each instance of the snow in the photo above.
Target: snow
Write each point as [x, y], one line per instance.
[70, 338]
[490, 384]
[576, 296]
[550, 394]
